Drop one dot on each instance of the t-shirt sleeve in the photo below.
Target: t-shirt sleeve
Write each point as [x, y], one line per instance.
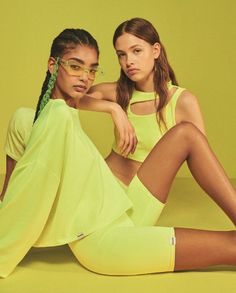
[18, 133]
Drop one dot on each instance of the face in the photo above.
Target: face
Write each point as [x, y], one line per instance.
[136, 57]
[75, 73]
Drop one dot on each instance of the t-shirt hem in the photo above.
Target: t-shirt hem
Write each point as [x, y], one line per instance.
[10, 154]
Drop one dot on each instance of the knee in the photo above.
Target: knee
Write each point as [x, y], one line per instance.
[187, 131]
[232, 246]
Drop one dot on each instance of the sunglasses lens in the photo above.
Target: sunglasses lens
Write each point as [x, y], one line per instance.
[77, 69]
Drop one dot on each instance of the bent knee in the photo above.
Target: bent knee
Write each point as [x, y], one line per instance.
[187, 130]
[186, 126]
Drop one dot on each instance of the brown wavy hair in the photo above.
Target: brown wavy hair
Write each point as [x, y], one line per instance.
[163, 73]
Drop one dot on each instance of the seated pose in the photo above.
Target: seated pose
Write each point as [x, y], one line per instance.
[147, 93]
[61, 191]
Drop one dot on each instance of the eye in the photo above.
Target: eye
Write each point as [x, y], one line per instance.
[120, 55]
[93, 70]
[137, 51]
[75, 67]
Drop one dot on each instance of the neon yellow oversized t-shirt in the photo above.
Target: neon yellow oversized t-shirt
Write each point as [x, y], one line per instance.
[19, 129]
[60, 190]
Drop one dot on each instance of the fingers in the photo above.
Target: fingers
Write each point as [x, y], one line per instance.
[127, 145]
[127, 142]
[124, 132]
[135, 141]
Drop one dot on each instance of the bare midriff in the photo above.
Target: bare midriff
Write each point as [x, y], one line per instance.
[123, 168]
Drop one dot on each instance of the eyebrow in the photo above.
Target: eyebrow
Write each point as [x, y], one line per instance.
[130, 47]
[82, 62]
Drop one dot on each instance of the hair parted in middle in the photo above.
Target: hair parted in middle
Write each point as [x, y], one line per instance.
[163, 73]
[67, 40]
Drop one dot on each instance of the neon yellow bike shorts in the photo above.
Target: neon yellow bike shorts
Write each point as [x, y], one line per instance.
[125, 249]
[146, 208]
[132, 244]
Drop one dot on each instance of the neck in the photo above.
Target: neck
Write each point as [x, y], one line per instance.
[69, 101]
[146, 85]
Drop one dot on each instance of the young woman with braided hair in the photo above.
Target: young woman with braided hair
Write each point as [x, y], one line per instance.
[61, 191]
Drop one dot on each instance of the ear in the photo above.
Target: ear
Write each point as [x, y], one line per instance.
[156, 50]
[51, 63]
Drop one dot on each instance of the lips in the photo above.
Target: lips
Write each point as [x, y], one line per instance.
[132, 71]
[79, 88]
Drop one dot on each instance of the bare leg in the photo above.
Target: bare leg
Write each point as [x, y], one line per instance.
[186, 142]
[198, 249]
[10, 165]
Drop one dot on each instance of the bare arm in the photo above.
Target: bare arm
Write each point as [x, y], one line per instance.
[102, 98]
[104, 91]
[10, 165]
[90, 103]
[188, 109]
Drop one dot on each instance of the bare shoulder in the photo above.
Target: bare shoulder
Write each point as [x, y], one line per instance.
[188, 109]
[187, 100]
[105, 91]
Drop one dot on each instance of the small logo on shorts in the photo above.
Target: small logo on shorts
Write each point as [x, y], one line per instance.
[173, 240]
[80, 236]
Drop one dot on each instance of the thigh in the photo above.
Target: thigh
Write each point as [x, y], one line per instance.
[146, 208]
[125, 249]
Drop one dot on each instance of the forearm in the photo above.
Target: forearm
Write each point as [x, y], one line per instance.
[92, 104]
[126, 136]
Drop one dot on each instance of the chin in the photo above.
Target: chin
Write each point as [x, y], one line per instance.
[135, 78]
[78, 96]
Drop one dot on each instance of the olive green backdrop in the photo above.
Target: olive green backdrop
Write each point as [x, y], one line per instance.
[200, 40]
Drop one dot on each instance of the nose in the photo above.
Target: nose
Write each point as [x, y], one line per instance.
[129, 60]
[84, 75]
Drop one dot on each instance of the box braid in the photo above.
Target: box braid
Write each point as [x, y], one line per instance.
[64, 42]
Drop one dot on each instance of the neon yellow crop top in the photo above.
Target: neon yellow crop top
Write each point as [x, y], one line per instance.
[146, 127]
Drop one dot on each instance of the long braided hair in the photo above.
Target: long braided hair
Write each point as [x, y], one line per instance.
[67, 40]
[163, 72]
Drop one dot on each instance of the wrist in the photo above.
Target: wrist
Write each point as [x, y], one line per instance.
[114, 108]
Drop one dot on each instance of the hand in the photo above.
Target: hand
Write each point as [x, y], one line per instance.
[124, 132]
